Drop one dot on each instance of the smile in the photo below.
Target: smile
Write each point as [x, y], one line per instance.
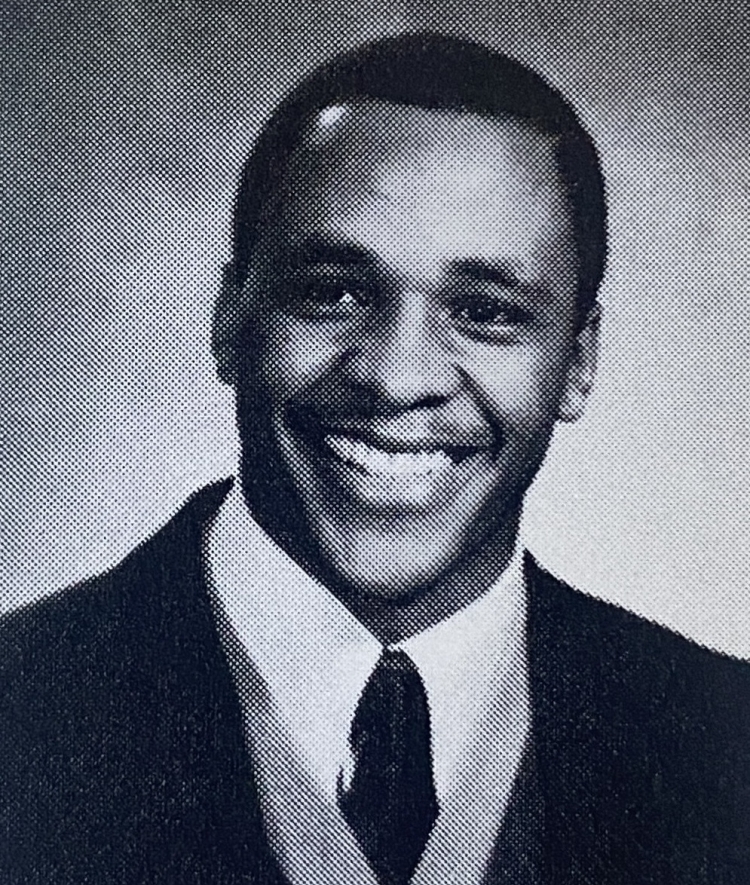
[398, 461]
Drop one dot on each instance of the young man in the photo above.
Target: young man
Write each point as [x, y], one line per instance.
[343, 668]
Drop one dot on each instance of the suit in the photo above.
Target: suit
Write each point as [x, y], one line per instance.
[122, 757]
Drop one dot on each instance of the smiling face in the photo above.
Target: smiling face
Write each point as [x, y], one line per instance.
[410, 339]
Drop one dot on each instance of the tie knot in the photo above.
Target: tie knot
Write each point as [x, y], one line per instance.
[398, 660]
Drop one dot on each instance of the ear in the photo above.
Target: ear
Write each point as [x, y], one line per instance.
[582, 368]
[227, 322]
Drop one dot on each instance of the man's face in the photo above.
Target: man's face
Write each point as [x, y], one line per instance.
[411, 339]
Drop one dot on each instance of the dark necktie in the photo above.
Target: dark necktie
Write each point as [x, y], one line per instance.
[391, 805]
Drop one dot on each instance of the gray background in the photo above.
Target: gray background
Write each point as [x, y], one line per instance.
[123, 128]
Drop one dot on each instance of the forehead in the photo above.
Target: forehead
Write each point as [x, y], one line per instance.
[383, 140]
[446, 183]
[369, 126]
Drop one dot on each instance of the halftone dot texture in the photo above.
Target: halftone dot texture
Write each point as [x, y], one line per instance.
[125, 129]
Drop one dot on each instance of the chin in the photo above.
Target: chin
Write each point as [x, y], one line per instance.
[399, 563]
[383, 579]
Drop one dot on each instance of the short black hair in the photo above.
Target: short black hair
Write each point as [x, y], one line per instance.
[440, 72]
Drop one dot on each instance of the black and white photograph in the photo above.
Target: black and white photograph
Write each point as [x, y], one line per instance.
[376, 406]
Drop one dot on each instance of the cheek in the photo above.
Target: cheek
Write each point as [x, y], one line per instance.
[521, 388]
[290, 358]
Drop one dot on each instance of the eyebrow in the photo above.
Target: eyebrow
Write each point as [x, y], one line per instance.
[479, 270]
[319, 250]
[499, 273]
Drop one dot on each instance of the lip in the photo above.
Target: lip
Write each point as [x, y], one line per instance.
[415, 470]
[397, 457]
[399, 450]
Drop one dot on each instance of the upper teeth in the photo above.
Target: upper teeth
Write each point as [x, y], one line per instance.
[376, 460]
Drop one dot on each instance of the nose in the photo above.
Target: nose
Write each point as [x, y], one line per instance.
[403, 360]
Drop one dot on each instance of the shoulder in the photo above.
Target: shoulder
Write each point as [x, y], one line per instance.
[647, 727]
[601, 625]
[112, 697]
[75, 627]
[633, 664]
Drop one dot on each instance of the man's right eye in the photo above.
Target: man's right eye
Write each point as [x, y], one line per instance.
[328, 297]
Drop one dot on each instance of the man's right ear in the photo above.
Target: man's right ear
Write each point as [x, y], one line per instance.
[226, 326]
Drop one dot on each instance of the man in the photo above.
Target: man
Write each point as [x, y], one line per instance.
[343, 668]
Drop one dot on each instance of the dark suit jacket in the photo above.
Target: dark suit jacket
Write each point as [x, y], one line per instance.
[122, 756]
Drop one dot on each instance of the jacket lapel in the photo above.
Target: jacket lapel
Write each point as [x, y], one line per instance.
[566, 728]
[195, 773]
[597, 676]
[518, 854]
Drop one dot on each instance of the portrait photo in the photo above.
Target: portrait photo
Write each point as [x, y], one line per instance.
[376, 401]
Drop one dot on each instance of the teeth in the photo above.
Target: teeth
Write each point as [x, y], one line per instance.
[380, 461]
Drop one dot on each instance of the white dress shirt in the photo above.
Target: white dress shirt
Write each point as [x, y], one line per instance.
[300, 660]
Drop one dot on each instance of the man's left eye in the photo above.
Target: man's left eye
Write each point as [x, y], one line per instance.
[484, 309]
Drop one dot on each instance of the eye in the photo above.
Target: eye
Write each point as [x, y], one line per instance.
[485, 310]
[330, 293]
[328, 297]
